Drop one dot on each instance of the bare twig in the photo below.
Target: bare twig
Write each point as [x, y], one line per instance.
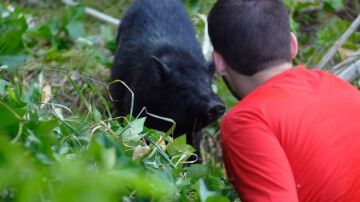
[311, 9]
[339, 67]
[95, 13]
[327, 57]
[351, 73]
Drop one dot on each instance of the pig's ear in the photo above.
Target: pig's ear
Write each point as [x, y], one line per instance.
[161, 65]
[211, 67]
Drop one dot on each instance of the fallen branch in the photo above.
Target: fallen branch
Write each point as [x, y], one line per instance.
[327, 57]
[95, 13]
[351, 73]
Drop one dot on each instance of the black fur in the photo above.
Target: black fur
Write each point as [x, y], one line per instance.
[159, 58]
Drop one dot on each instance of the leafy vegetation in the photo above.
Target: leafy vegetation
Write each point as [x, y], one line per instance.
[58, 138]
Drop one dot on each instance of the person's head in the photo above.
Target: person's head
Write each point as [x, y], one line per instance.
[250, 36]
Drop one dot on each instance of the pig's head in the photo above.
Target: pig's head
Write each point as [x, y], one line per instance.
[184, 92]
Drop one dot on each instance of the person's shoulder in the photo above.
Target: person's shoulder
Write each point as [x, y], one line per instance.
[243, 108]
[331, 81]
[242, 115]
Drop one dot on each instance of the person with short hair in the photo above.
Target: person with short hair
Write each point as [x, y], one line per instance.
[295, 133]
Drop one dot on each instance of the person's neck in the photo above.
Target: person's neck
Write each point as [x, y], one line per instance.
[246, 84]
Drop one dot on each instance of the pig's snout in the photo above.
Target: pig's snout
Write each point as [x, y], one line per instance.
[215, 109]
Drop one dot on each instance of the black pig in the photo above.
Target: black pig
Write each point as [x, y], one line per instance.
[159, 58]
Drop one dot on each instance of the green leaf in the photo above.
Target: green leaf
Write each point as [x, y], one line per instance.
[33, 95]
[132, 133]
[74, 13]
[3, 85]
[11, 32]
[217, 198]
[332, 30]
[48, 31]
[10, 118]
[301, 5]
[106, 33]
[335, 5]
[96, 114]
[197, 171]
[75, 30]
[12, 61]
[291, 4]
[46, 128]
[15, 99]
[179, 146]
[204, 193]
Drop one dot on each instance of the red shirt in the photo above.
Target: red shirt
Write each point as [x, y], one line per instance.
[295, 138]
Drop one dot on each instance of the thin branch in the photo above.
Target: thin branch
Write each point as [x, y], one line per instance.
[95, 13]
[346, 62]
[311, 9]
[351, 73]
[327, 57]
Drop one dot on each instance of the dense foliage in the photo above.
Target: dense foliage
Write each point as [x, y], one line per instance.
[58, 138]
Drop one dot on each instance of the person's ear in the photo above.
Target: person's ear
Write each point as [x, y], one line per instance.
[220, 64]
[294, 45]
